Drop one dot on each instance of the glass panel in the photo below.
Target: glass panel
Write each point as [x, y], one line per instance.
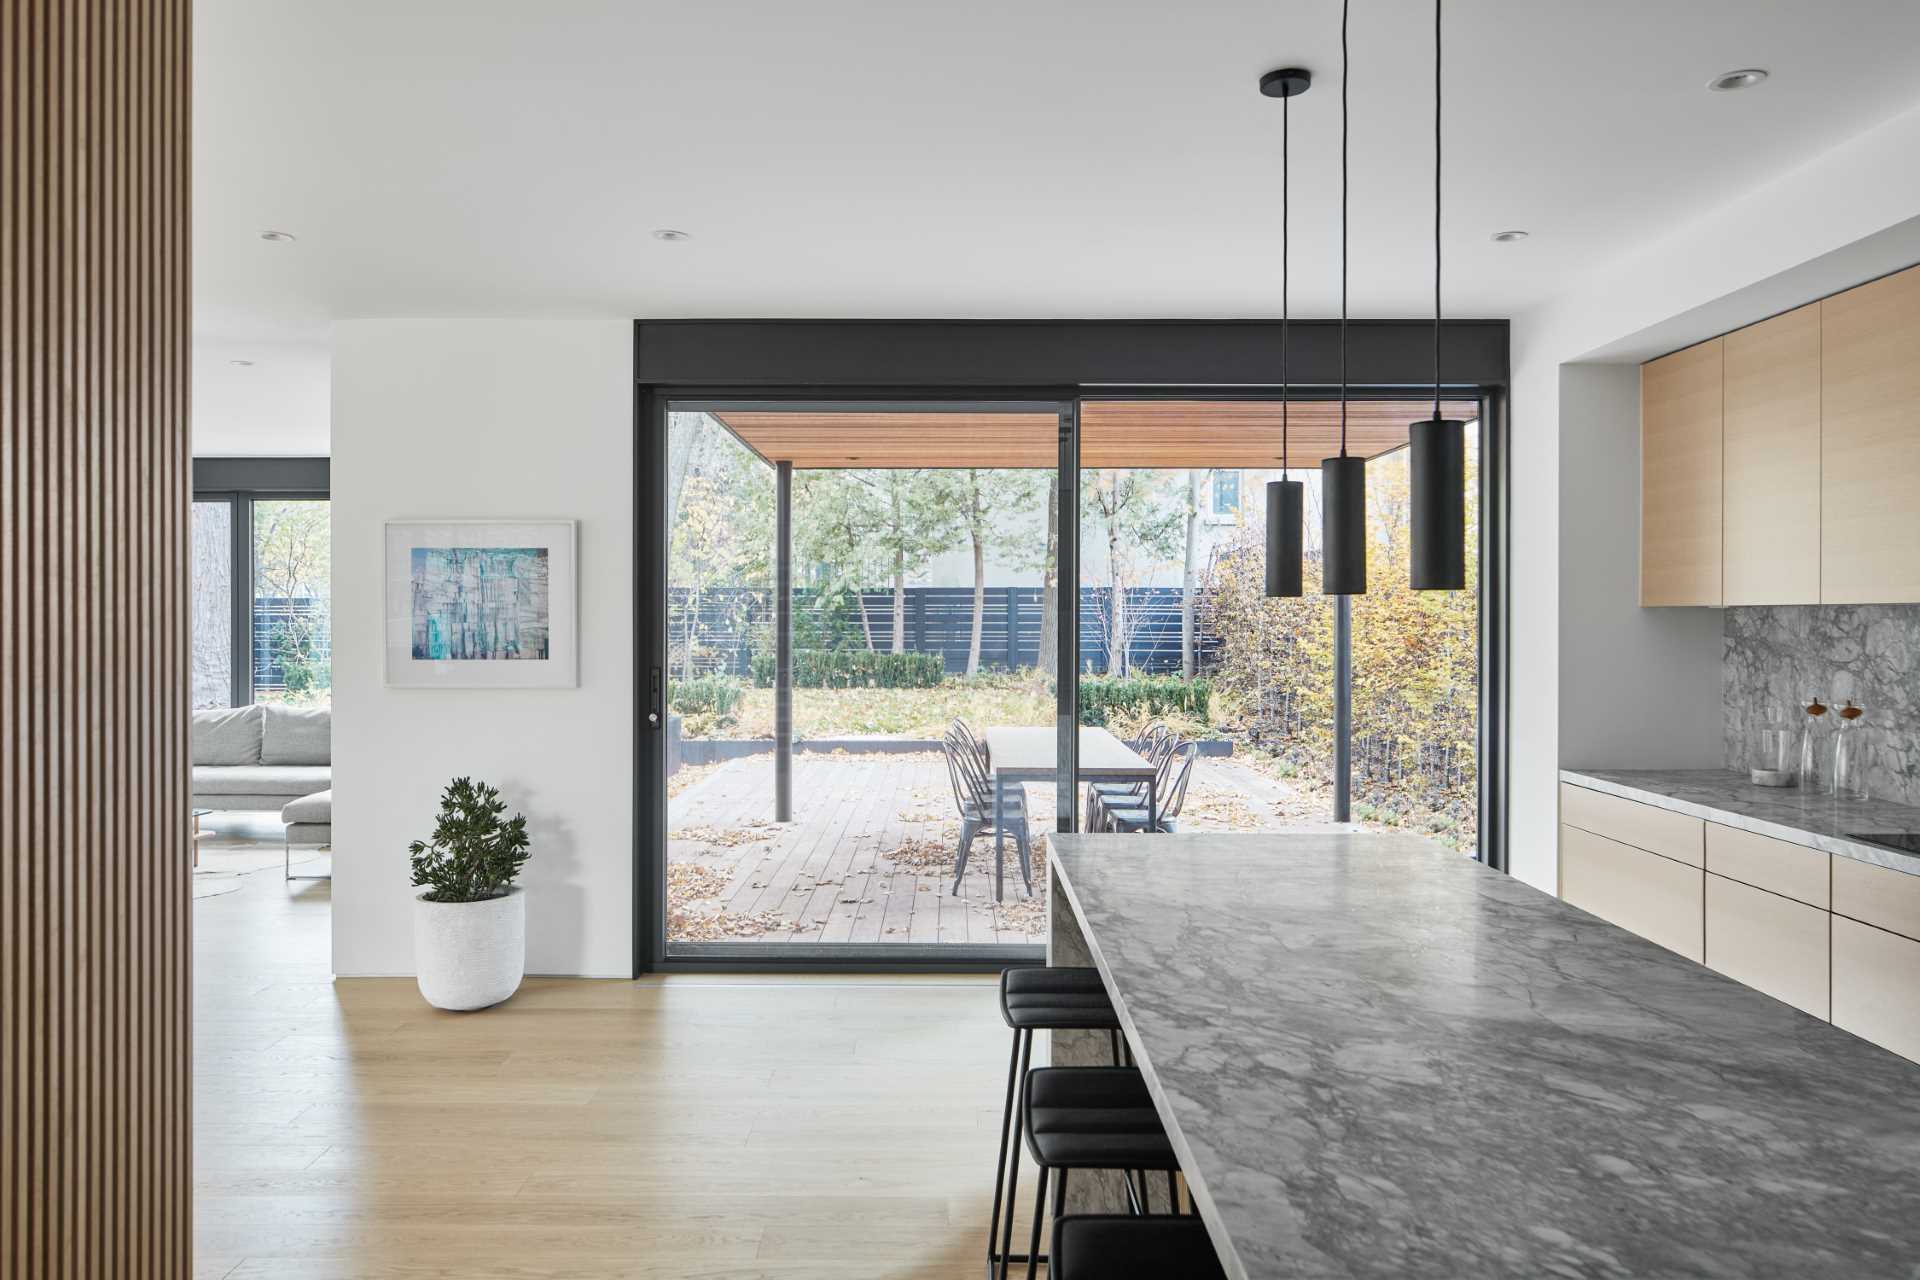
[923, 593]
[212, 604]
[1416, 672]
[1177, 633]
[1176, 626]
[292, 619]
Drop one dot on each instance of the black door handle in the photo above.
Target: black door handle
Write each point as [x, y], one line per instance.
[656, 708]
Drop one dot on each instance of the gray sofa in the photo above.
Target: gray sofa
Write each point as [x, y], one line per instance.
[262, 756]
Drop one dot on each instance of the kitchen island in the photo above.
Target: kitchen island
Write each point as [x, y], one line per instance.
[1377, 1058]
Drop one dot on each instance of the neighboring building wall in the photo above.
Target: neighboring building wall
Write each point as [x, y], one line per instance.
[502, 419]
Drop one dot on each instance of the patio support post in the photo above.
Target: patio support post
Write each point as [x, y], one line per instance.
[783, 642]
[1343, 709]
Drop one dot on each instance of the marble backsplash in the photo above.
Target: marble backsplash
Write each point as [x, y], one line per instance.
[1775, 656]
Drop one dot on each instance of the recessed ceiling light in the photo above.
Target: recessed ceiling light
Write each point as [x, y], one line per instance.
[1745, 78]
[668, 233]
[1509, 237]
[277, 237]
[244, 364]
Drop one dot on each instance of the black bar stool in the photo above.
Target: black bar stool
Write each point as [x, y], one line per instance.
[1091, 1118]
[1089, 1246]
[1037, 998]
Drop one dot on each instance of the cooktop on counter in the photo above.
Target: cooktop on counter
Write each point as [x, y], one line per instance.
[1904, 841]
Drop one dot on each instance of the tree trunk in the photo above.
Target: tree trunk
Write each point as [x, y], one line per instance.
[1049, 587]
[693, 621]
[1186, 577]
[1116, 595]
[866, 623]
[979, 604]
[899, 600]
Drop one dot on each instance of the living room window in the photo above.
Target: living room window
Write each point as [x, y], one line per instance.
[262, 620]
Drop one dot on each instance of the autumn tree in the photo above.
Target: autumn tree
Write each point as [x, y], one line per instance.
[987, 506]
[1139, 530]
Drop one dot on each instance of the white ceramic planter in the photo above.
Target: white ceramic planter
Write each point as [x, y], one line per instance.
[470, 954]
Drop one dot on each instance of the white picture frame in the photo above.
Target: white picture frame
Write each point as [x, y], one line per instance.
[464, 607]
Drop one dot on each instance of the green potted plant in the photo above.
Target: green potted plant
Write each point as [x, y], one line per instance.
[470, 919]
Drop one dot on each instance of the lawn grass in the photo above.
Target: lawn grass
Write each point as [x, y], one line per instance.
[898, 713]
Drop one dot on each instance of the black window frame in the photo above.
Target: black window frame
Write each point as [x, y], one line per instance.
[240, 482]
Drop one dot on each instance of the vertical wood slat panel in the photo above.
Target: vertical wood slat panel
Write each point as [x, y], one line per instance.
[95, 1159]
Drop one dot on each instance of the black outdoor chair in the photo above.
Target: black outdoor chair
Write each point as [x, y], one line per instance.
[1156, 744]
[973, 794]
[1172, 795]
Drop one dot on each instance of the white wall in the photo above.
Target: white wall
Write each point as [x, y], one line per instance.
[275, 404]
[485, 418]
[1639, 688]
[1845, 216]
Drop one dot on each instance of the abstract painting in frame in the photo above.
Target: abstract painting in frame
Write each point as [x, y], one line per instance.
[481, 604]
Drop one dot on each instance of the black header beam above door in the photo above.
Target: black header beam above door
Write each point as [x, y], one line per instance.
[798, 354]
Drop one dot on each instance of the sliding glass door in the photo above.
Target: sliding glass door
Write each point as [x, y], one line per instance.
[1314, 711]
[862, 611]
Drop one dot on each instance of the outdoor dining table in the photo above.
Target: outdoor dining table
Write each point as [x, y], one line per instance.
[1017, 754]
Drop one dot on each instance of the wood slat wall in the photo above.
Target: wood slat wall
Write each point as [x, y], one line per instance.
[94, 883]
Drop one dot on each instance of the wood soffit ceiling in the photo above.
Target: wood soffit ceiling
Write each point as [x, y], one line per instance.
[1113, 434]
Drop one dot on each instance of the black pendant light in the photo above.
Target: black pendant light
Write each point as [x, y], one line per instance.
[1343, 480]
[1286, 497]
[1437, 448]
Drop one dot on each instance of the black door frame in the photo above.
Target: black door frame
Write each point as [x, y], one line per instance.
[1057, 361]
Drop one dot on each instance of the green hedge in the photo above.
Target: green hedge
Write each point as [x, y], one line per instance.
[1100, 696]
[715, 695]
[855, 669]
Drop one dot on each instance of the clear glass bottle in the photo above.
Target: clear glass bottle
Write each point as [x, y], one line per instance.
[1810, 743]
[1850, 755]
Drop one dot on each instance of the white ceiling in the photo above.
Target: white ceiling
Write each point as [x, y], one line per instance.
[986, 158]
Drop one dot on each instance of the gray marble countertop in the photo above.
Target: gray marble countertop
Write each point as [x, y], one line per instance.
[1376, 1058]
[1813, 819]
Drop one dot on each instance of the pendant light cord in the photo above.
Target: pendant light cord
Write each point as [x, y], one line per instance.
[1436, 211]
[1345, 7]
[1286, 166]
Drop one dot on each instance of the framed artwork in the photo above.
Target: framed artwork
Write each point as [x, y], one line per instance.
[481, 604]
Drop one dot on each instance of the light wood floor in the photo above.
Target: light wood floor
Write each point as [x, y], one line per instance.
[686, 1128]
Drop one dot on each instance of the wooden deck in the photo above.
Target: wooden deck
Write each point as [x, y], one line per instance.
[869, 857]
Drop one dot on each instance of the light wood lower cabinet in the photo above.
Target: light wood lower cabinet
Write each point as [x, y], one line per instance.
[1876, 986]
[1771, 943]
[1643, 893]
[1790, 870]
[1644, 826]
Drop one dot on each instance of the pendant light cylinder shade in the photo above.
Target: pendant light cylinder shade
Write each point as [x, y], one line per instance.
[1286, 525]
[1437, 453]
[1343, 526]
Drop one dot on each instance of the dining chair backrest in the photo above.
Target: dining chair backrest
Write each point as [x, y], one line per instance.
[973, 741]
[1176, 795]
[972, 769]
[960, 773]
[1152, 737]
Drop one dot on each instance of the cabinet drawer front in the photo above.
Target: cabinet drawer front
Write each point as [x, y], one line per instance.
[1876, 986]
[1791, 869]
[1643, 893]
[1890, 899]
[1771, 943]
[1661, 831]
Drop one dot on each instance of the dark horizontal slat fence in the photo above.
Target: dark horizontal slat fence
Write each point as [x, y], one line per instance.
[729, 623]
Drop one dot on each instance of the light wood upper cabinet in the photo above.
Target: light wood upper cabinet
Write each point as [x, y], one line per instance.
[1772, 472]
[1870, 442]
[1680, 477]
